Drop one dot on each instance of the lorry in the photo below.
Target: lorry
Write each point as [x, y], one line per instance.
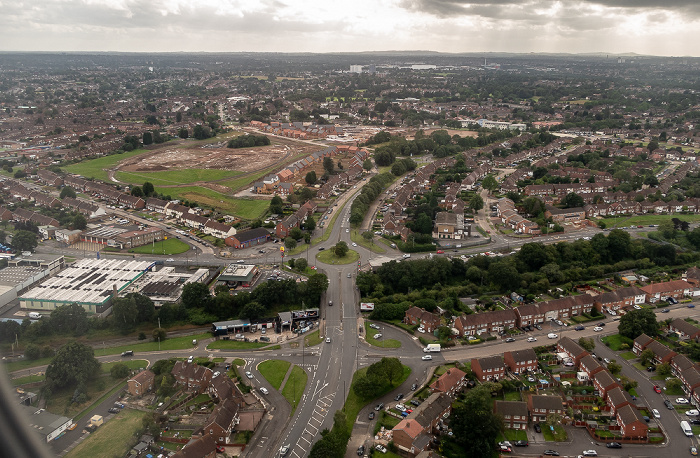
[432, 348]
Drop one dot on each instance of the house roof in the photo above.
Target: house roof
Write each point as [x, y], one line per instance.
[659, 349]
[643, 340]
[252, 234]
[143, 377]
[540, 401]
[448, 380]
[491, 362]
[682, 362]
[618, 396]
[668, 286]
[604, 378]
[628, 415]
[410, 427]
[512, 408]
[618, 295]
[197, 448]
[590, 362]
[685, 327]
[571, 347]
[527, 354]
[431, 409]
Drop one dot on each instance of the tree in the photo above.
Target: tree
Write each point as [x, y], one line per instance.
[119, 370]
[148, 189]
[69, 319]
[587, 343]
[423, 224]
[663, 369]
[147, 138]
[276, 205]
[367, 164]
[136, 191]
[253, 311]
[490, 183]
[24, 241]
[124, 313]
[474, 424]
[73, 364]
[652, 145]
[328, 165]
[295, 233]
[183, 133]
[647, 356]
[67, 191]
[614, 367]
[301, 264]
[573, 200]
[195, 295]
[290, 243]
[159, 335]
[673, 385]
[79, 222]
[638, 322]
[311, 177]
[32, 352]
[340, 249]
[476, 203]
[178, 116]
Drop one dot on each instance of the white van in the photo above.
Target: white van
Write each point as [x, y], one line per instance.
[34, 315]
[687, 430]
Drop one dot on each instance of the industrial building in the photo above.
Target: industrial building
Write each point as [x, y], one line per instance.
[239, 275]
[49, 426]
[22, 273]
[165, 285]
[91, 283]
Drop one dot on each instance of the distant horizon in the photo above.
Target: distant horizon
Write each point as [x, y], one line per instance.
[665, 28]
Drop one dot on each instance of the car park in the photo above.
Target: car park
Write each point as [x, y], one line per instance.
[427, 358]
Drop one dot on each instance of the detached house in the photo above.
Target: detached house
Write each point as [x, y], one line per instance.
[514, 413]
[489, 368]
[540, 406]
[450, 383]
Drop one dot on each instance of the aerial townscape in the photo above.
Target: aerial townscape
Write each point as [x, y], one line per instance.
[401, 254]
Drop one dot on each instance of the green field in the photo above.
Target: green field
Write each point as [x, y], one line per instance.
[97, 168]
[329, 258]
[274, 371]
[164, 247]
[176, 343]
[615, 341]
[646, 220]
[245, 208]
[176, 177]
[312, 339]
[114, 438]
[235, 345]
[294, 388]
[381, 342]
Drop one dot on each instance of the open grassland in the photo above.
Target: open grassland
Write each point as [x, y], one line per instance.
[113, 439]
[175, 177]
[274, 371]
[97, 168]
[244, 208]
[646, 220]
[164, 247]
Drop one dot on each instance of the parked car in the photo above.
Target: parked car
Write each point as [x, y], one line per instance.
[415, 402]
[400, 407]
[113, 410]
[379, 407]
[190, 359]
[693, 450]
[220, 449]
[579, 328]
[510, 339]
[521, 443]
[651, 369]
[504, 449]
[656, 413]
[263, 390]
[538, 429]
[361, 448]
[668, 404]
[692, 412]
[657, 389]
[613, 445]
[380, 448]
[373, 326]
[550, 453]
[590, 453]
[665, 311]
[538, 327]
[681, 401]
[601, 324]
[371, 415]
[414, 387]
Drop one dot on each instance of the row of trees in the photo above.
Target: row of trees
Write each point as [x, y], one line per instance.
[360, 206]
[248, 141]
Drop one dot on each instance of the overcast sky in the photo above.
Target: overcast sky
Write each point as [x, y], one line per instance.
[668, 27]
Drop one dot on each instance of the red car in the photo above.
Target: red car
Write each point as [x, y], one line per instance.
[657, 389]
[220, 449]
[439, 252]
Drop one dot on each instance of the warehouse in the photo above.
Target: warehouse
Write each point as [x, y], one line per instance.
[91, 283]
[239, 274]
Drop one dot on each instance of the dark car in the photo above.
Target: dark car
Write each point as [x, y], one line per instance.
[579, 328]
[601, 324]
[379, 407]
[651, 369]
[415, 402]
[665, 311]
[128, 353]
[695, 422]
[538, 428]
[668, 404]
[371, 415]
[538, 327]
[521, 443]
[398, 397]
[613, 445]
[113, 410]
[550, 453]
[360, 450]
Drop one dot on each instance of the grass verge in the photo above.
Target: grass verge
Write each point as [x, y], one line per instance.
[164, 247]
[329, 258]
[294, 388]
[381, 342]
[113, 439]
[615, 342]
[313, 338]
[235, 345]
[274, 371]
[357, 237]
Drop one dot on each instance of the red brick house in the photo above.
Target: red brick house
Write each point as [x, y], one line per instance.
[690, 379]
[680, 363]
[631, 423]
[486, 323]
[450, 383]
[620, 298]
[412, 435]
[676, 289]
[191, 376]
[415, 316]
[571, 349]
[603, 381]
[618, 398]
[684, 329]
[590, 366]
[222, 421]
[662, 354]
[141, 383]
[200, 447]
[514, 413]
[521, 361]
[640, 343]
[489, 368]
[540, 406]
